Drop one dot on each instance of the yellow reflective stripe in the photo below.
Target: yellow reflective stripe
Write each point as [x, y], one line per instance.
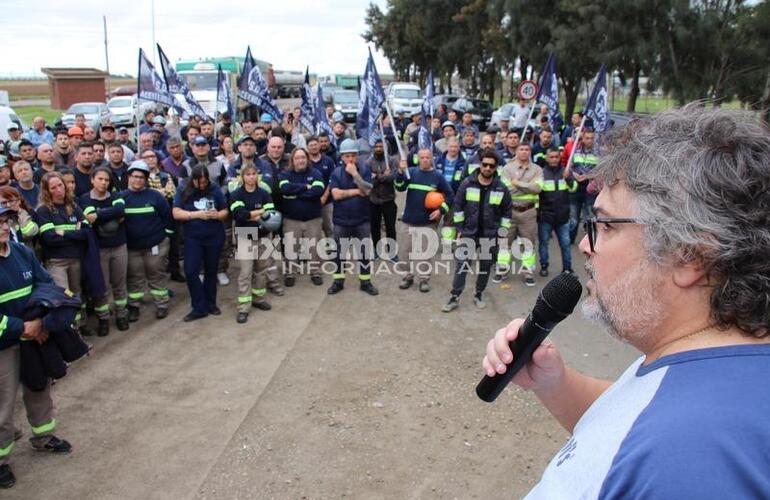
[66, 227]
[259, 292]
[121, 302]
[398, 184]
[169, 231]
[4, 452]
[243, 299]
[339, 276]
[28, 227]
[266, 187]
[448, 233]
[3, 324]
[473, 194]
[135, 295]
[548, 186]
[236, 205]
[318, 183]
[281, 183]
[16, 294]
[525, 197]
[528, 260]
[42, 429]
[159, 293]
[104, 308]
[140, 210]
[421, 187]
[89, 210]
[46, 227]
[365, 277]
[459, 217]
[504, 257]
[290, 197]
[495, 198]
[268, 206]
[119, 201]
[505, 222]
[572, 186]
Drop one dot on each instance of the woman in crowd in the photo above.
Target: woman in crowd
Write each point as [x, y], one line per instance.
[69, 179]
[201, 208]
[105, 212]
[63, 231]
[228, 155]
[248, 203]
[24, 228]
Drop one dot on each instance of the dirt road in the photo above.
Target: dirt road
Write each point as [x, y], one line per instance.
[347, 396]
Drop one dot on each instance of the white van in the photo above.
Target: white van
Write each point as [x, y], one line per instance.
[8, 115]
[406, 97]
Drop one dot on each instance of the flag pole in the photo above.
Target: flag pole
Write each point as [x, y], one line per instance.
[577, 140]
[384, 141]
[400, 147]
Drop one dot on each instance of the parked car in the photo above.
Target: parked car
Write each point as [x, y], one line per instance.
[346, 102]
[129, 90]
[328, 91]
[7, 116]
[96, 113]
[480, 109]
[504, 110]
[406, 97]
[446, 99]
[122, 110]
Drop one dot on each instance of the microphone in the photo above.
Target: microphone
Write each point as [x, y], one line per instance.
[556, 301]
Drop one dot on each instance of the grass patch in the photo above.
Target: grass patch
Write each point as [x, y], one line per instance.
[27, 113]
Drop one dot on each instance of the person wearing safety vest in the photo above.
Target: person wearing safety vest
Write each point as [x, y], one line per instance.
[523, 179]
[248, 203]
[20, 273]
[350, 186]
[581, 201]
[148, 223]
[418, 182]
[482, 209]
[553, 214]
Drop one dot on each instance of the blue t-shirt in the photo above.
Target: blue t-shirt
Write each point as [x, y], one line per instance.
[210, 230]
[690, 425]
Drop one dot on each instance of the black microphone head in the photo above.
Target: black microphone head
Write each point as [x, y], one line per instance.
[558, 298]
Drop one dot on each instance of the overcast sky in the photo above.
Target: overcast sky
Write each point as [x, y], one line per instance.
[326, 34]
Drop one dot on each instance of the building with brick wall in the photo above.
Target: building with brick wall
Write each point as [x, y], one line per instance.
[70, 85]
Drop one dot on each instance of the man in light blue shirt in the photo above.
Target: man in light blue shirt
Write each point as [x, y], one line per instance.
[38, 134]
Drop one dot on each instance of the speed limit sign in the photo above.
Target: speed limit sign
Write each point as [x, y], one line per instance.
[527, 89]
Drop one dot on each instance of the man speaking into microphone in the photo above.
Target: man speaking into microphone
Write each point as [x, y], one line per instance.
[678, 259]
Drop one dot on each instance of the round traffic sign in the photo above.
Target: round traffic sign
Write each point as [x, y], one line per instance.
[527, 89]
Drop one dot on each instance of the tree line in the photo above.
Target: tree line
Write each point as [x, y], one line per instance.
[714, 50]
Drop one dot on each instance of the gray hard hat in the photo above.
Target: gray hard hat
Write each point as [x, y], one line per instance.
[141, 166]
[271, 221]
[348, 146]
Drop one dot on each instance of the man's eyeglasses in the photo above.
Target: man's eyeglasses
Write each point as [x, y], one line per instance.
[590, 226]
[490, 165]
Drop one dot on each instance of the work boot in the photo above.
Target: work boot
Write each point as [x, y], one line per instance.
[85, 331]
[366, 286]
[242, 317]
[424, 286]
[337, 286]
[122, 323]
[51, 445]
[529, 281]
[479, 301]
[177, 277]
[261, 304]
[289, 281]
[278, 291]
[104, 328]
[452, 304]
[317, 280]
[7, 479]
[193, 315]
[161, 312]
[407, 282]
[544, 271]
[133, 313]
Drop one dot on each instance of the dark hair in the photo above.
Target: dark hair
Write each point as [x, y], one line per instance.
[192, 125]
[11, 192]
[198, 172]
[324, 135]
[114, 145]
[553, 149]
[107, 170]
[66, 171]
[311, 139]
[278, 131]
[489, 153]
[98, 143]
[84, 144]
[226, 131]
[25, 142]
[61, 131]
[513, 132]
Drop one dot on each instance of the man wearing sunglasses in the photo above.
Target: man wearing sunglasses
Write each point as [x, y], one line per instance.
[678, 268]
[482, 207]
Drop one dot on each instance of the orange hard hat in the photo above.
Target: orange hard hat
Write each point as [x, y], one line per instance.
[73, 131]
[434, 200]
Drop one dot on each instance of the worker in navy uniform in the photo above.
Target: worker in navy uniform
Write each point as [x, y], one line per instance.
[20, 272]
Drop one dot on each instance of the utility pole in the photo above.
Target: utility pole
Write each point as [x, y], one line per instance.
[106, 55]
[154, 50]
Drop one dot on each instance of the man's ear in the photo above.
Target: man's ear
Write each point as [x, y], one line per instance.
[691, 270]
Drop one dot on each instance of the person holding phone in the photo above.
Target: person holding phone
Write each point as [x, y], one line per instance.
[201, 208]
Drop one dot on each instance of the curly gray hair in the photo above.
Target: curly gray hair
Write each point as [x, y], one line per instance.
[701, 181]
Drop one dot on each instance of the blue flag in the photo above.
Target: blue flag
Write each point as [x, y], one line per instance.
[307, 117]
[322, 121]
[224, 103]
[253, 89]
[548, 93]
[150, 85]
[371, 99]
[597, 108]
[424, 136]
[178, 86]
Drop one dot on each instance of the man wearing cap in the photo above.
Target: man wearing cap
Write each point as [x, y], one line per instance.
[200, 150]
[38, 134]
[14, 134]
[125, 139]
[62, 152]
[448, 129]
[20, 274]
[159, 128]
[107, 136]
[350, 187]
[419, 220]
[75, 137]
